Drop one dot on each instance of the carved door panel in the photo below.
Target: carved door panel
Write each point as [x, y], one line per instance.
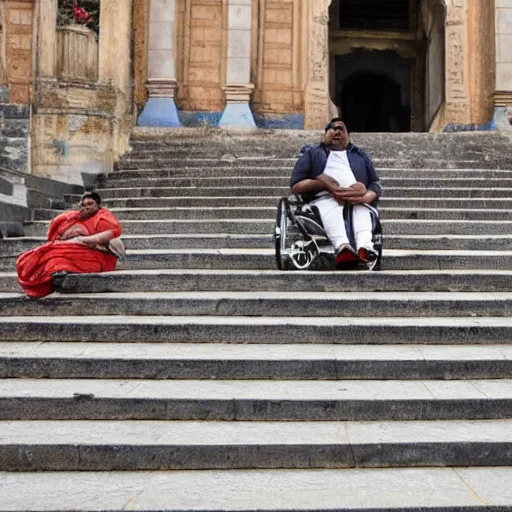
[204, 41]
[278, 81]
[18, 21]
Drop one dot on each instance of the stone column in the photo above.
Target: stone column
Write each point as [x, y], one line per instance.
[238, 88]
[317, 100]
[47, 39]
[114, 67]
[503, 94]
[160, 109]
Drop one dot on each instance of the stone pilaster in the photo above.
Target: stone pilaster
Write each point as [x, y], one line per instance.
[47, 38]
[160, 109]
[317, 101]
[238, 88]
[503, 93]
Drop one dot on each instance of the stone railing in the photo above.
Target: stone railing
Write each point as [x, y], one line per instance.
[77, 53]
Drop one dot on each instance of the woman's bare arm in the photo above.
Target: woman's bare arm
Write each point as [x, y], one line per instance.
[102, 238]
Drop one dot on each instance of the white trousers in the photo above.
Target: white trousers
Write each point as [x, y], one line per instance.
[331, 213]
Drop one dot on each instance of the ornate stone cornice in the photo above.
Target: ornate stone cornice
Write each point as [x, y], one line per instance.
[161, 87]
[503, 98]
[238, 93]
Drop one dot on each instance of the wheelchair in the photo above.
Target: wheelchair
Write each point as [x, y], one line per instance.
[301, 242]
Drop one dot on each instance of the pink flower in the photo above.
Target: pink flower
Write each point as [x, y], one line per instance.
[80, 14]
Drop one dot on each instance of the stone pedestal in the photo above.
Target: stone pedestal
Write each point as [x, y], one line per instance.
[4, 93]
[237, 111]
[160, 109]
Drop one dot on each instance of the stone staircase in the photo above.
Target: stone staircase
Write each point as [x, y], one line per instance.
[198, 377]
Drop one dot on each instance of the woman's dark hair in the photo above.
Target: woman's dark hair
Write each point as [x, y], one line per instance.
[91, 195]
[328, 126]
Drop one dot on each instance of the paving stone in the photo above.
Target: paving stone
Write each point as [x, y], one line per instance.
[413, 490]
[260, 303]
[254, 400]
[146, 445]
[229, 361]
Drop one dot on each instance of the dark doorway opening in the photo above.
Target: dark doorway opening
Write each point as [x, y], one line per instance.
[372, 103]
[373, 91]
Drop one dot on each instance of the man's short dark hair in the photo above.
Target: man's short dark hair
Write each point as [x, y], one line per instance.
[91, 195]
[328, 126]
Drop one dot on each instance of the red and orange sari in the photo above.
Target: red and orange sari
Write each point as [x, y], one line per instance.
[60, 254]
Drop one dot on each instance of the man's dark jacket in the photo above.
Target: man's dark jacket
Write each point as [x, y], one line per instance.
[312, 163]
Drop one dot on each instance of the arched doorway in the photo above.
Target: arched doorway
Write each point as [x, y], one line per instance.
[374, 91]
[387, 63]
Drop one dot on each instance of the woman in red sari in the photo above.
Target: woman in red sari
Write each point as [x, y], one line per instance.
[80, 241]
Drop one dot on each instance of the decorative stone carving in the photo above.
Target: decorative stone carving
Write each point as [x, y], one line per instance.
[317, 87]
[18, 23]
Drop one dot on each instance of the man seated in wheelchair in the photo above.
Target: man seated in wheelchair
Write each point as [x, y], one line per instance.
[329, 176]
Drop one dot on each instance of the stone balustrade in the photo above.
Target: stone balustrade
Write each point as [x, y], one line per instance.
[77, 53]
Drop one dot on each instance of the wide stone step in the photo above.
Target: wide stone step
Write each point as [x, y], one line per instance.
[264, 181]
[254, 146]
[234, 191]
[266, 227]
[272, 330]
[200, 445]
[274, 280]
[271, 202]
[269, 142]
[255, 400]
[355, 490]
[241, 212]
[393, 259]
[219, 168]
[147, 137]
[425, 160]
[259, 303]
[280, 151]
[161, 361]
[185, 161]
[15, 246]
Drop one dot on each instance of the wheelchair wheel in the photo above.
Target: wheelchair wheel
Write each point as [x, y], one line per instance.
[292, 251]
[280, 235]
[377, 244]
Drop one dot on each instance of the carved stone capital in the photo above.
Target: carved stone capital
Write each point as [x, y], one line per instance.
[161, 87]
[238, 93]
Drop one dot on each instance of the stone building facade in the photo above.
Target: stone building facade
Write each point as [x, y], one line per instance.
[382, 65]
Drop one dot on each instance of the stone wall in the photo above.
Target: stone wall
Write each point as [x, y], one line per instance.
[83, 118]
